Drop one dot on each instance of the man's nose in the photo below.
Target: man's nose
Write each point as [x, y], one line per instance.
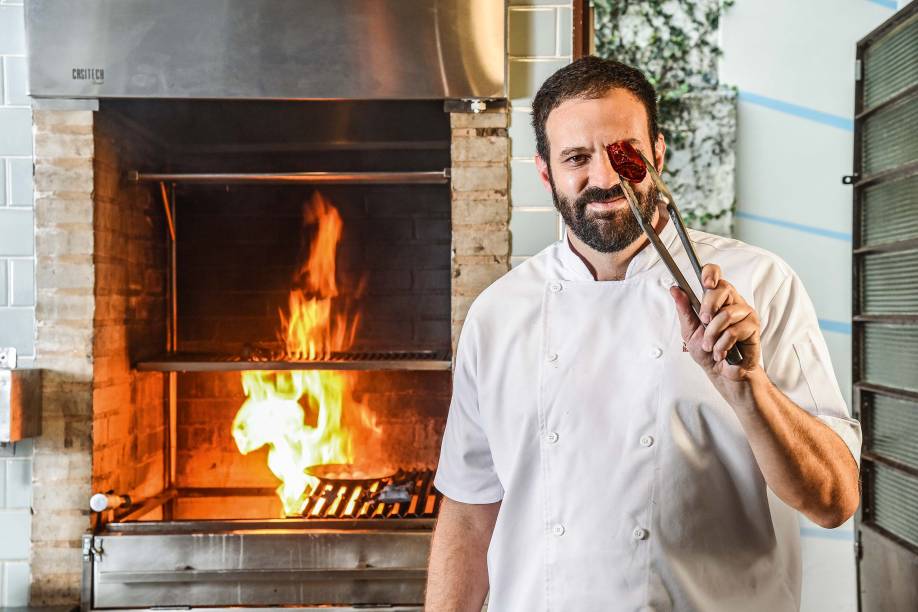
[601, 173]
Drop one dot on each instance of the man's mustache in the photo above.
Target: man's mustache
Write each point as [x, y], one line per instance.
[595, 194]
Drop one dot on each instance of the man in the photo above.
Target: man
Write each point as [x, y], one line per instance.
[600, 453]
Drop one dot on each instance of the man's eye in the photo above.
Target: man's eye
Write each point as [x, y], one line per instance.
[577, 159]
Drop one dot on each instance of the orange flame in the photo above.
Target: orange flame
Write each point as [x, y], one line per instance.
[274, 414]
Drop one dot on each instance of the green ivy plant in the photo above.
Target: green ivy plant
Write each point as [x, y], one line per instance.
[674, 42]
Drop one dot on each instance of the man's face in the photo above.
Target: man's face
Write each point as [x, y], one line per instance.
[586, 190]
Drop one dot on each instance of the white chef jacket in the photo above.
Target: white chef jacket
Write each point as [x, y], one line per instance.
[627, 481]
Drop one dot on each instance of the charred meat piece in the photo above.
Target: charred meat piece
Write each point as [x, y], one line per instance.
[626, 161]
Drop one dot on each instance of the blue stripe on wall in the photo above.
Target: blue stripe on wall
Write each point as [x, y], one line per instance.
[839, 327]
[890, 4]
[836, 121]
[844, 535]
[797, 226]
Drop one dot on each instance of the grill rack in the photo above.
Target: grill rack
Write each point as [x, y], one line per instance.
[378, 360]
[359, 499]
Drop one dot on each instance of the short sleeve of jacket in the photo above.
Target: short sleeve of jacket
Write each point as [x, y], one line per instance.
[466, 470]
[797, 360]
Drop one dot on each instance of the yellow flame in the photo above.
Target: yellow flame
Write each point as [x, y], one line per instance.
[273, 413]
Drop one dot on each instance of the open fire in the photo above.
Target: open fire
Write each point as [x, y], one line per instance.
[307, 418]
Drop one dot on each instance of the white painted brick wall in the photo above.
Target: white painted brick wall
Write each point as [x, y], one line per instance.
[17, 292]
[538, 43]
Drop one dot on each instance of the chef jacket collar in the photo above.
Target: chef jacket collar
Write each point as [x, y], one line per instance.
[643, 260]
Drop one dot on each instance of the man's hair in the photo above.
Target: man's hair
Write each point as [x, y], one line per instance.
[588, 78]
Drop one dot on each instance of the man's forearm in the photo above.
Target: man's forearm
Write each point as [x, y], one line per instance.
[457, 576]
[804, 462]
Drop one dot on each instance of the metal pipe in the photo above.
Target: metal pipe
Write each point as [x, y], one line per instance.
[307, 178]
[169, 222]
[172, 432]
[170, 412]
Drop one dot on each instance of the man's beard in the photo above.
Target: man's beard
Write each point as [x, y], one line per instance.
[606, 232]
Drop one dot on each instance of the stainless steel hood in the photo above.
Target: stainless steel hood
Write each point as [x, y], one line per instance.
[266, 49]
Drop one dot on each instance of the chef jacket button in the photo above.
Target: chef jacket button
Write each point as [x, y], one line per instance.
[555, 287]
[552, 357]
[656, 352]
[667, 281]
[558, 529]
[639, 533]
[552, 437]
[646, 440]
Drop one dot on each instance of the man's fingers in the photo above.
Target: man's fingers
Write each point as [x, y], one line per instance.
[688, 322]
[714, 299]
[710, 275]
[727, 316]
[740, 332]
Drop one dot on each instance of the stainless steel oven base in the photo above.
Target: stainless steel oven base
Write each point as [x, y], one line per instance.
[366, 608]
[353, 564]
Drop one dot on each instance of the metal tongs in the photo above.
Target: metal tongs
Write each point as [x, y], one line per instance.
[734, 356]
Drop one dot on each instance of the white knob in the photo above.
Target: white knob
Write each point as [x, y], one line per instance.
[98, 502]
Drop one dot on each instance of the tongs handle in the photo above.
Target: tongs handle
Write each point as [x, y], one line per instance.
[734, 355]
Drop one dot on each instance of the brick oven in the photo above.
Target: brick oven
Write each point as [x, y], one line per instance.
[249, 291]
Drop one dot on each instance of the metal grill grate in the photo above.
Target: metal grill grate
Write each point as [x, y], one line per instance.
[378, 360]
[408, 494]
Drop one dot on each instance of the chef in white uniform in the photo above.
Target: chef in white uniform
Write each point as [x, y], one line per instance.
[600, 454]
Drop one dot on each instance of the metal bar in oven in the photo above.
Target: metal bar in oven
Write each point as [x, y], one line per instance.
[192, 365]
[148, 505]
[435, 177]
[258, 575]
[129, 526]
[170, 410]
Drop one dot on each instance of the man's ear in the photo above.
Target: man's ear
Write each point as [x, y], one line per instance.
[659, 152]
[542, 167]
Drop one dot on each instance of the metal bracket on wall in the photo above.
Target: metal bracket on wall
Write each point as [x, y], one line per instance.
[474, 105]
[7, 357]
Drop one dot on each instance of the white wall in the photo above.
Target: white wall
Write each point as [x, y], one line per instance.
[793, 63]
[538, 44]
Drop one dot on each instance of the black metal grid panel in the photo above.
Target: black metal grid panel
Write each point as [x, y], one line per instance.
[885, 316]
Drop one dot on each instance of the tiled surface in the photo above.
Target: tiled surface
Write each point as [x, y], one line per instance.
[14, 525]
[15, 79]
[18, 479]
[19, 178]
[16, 329]
[526, 188]
[4, 289]
[16, 128]
[533, 229]
[526, 75]
[17, 321]
[15, 513]
[16, 232]
[533, 32]
[521, 133]
[539, 44]
[22, 282]
[12, 30]
[15, 591]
